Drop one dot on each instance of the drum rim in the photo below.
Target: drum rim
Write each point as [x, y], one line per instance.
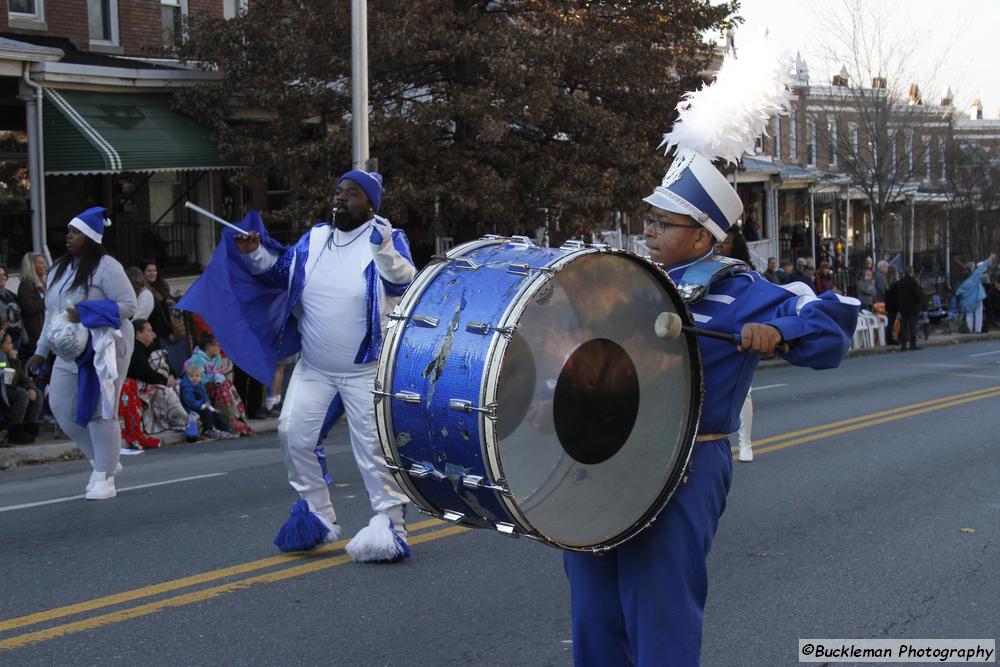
[679, 472]
[490, 385]
[491, 380]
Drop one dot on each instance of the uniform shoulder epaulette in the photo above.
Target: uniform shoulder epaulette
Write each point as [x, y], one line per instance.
[698, 278]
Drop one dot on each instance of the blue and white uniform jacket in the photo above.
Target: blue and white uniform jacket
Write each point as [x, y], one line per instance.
[387, 276]
[818, 330]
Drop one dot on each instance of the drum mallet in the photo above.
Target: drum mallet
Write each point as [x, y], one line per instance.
[212, 216]
[669, 327]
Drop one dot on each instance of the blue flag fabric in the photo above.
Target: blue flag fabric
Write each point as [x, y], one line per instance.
[93, 314]
[245, 314]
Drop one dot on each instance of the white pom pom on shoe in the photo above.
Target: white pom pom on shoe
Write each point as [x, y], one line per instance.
[378, 543]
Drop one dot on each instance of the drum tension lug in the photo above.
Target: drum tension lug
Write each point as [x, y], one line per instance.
[405, 396]
[420, 470]
[462, 262]
[506, 529]
[462, 405]
[479, 482]
[485, 327]
[420, 320]
[524, 269]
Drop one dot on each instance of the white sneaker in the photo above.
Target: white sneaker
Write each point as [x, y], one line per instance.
[103, 488]
[94, 476]
[746, 453]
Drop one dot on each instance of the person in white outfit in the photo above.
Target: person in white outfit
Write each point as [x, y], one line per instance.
[342, 281]
[88, 292]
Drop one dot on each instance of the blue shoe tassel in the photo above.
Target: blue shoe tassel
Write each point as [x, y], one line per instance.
[302, 532]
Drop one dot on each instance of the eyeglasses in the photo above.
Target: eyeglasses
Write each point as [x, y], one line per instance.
[662, 226]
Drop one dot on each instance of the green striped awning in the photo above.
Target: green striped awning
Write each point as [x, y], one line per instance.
[104, 133]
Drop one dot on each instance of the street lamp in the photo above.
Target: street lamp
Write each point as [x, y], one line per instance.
[359, 81]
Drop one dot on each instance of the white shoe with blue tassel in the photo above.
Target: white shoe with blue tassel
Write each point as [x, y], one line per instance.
[383, 540]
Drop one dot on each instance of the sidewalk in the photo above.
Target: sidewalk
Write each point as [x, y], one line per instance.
[935, 340]
[55, 449]
[47, 448]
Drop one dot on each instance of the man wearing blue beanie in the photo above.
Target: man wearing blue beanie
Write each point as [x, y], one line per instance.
[342, 280]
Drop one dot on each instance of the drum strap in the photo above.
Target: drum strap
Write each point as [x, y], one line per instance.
[698, 278]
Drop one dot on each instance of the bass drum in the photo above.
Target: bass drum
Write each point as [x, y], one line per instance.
[523, 389]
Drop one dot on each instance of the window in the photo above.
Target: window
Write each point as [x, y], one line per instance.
[103, 19]
[758, 145]
[926, 141]
[164, 190]
[30, 10]
[793, 139]
[855, 140]
[831, 130]
[909, 154]
[893, 158]
[173, 13]
[944, 166]
[810, 143]
[233, 8]
[776, 130]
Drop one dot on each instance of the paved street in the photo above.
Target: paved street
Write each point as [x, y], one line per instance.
[870, 511]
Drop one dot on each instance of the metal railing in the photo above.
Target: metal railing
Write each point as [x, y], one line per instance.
[174, 245]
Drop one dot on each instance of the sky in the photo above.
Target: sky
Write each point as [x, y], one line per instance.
[965, 31]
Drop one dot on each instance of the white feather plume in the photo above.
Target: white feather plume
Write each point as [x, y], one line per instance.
[722, 120]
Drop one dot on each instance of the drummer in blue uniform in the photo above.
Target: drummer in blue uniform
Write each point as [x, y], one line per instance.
[643, 602]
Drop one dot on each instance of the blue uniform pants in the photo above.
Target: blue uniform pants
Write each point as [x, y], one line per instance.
[643, 603]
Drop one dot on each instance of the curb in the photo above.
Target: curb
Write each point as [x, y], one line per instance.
[934, 341]
[64, 449]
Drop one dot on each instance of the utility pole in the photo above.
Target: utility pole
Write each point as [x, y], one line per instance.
[359, 82]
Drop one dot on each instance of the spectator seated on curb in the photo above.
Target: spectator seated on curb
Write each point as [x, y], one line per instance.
[158, 389]
[195, 398]
[130, 416]
[20, 399]
[217, 376]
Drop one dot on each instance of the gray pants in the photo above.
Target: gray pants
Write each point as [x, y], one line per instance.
[101, 440]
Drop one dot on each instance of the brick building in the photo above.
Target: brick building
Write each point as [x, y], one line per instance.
[805, 202]
[85, 119]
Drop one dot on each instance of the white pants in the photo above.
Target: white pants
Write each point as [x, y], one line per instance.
[974, 319]
[310, 392]
[101, 440]
[746, 422]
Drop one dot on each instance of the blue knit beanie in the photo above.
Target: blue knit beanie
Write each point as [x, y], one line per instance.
[369, 181]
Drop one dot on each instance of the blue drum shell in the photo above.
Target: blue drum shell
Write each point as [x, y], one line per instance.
[448, 362]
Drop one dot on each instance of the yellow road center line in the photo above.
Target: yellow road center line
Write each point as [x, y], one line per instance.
[784, 440]
[167, 586]
[873, 415]
[93, 622]
[875, 422]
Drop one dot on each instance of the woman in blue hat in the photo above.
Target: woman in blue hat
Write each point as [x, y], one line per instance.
[88, 303]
